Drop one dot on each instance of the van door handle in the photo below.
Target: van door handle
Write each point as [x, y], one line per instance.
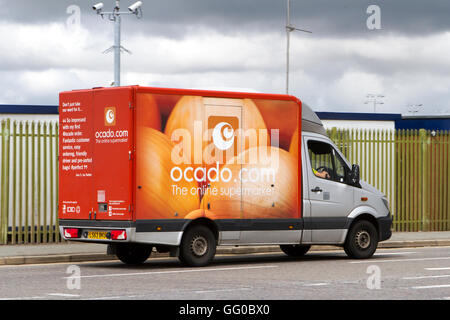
[316, 189]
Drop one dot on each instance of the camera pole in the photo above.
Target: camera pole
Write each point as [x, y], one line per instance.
[115, 16]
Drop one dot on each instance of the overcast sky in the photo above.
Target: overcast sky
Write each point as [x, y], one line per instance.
[236, 45]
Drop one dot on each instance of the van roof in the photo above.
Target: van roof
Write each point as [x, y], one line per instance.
[310, 121]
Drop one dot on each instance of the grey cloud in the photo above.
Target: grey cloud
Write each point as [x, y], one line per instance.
[345, 18]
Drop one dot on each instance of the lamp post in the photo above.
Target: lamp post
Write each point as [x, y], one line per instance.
[289, 29]
[115, 16]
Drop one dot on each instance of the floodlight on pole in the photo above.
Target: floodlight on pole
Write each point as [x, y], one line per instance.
[414, 108]
[115, 16]
[375, 100]
[289, 29]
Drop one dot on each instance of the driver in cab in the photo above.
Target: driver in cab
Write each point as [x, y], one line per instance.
[320, 154]
[322, 174]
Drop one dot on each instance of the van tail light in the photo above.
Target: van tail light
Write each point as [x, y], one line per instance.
[118, 235]
[71, 233]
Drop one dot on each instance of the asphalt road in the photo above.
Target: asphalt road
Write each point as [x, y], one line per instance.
[413, 273]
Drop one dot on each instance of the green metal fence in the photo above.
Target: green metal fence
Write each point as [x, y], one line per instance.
[412, 167]
[29, 182]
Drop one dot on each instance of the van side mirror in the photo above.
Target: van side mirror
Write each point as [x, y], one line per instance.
[354, 175]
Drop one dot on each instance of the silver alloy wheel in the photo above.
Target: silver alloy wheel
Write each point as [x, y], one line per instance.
[362, 239]
[199, 245]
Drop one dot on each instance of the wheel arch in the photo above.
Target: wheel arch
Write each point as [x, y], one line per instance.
[360, 217]
[365, 216]
[205, 222]
[363, 213]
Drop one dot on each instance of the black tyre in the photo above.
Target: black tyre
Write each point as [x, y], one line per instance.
[198, 246]
[362, 240]
[295, 250]
[133, 253]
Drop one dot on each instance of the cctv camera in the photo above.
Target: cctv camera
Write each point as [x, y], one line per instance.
[135, 6]
[98, 7]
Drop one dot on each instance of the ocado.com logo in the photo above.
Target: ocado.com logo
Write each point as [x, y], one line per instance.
[223, 136]
[110, 116]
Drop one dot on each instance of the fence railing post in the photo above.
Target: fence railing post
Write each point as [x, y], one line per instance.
[14, 182]
[424, 143]
[6, 126]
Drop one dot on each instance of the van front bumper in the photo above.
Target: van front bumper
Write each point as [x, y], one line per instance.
[384, 228]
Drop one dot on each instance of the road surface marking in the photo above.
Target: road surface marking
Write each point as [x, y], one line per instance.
[427, 277]
[67, 295]
[171, 271]
[437, 269]
[432, 287]
[374, 261]
[24, 298]
[222, 290]
[315, 284]
[392, 253]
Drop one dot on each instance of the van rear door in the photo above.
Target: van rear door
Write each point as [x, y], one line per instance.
[75, 154]
[112, 154]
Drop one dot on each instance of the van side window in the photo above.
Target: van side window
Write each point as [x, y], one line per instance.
[340, 168]
[320, 154]
[326, 162]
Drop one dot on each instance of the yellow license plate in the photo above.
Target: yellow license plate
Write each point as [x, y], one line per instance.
[98, 235]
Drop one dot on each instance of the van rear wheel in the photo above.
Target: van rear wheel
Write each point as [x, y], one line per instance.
[133, 253]
[295, 250]
[198, 246]
[362, 240]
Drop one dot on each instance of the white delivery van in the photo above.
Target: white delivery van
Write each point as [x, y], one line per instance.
[185, 171]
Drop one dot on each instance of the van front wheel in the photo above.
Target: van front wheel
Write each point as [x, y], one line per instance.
[198, 246]
[362, 240]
